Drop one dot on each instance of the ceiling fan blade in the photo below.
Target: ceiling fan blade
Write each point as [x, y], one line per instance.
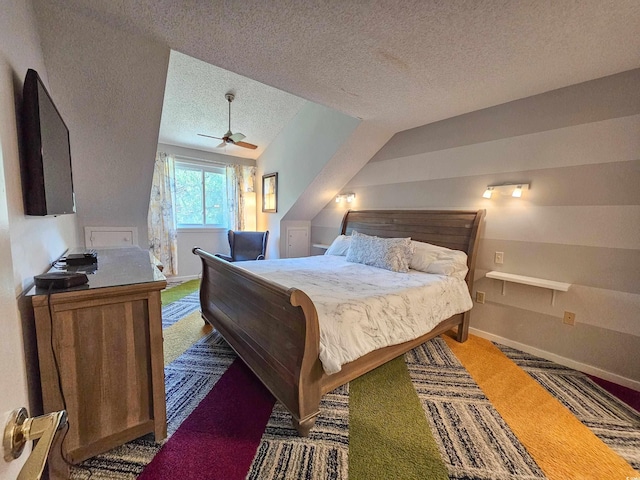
[209, 136]
[246, 145]
[236, 137]
[232, 138]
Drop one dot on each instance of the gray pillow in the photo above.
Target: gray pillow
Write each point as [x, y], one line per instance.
[389, 253]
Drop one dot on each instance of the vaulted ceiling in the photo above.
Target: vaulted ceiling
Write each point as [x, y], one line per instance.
[400, 63]
[395, 64]
[195, 103]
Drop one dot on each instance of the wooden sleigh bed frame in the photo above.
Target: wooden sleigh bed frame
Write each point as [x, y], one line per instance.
[274, 330]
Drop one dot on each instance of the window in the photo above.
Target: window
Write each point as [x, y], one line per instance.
[201, 195]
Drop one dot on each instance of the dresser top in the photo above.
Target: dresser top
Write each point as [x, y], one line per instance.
[115, 267]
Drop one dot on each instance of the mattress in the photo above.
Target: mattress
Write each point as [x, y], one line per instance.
[362, 308]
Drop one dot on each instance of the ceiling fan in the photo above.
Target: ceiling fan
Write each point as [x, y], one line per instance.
[229, 137]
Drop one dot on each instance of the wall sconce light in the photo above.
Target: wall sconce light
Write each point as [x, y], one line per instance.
[513, 189]
[517, 192]
[487, 193]
[348, 197]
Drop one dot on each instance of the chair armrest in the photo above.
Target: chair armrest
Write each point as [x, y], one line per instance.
[224, 257]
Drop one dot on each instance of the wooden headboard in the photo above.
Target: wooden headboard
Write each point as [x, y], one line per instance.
[455, 229]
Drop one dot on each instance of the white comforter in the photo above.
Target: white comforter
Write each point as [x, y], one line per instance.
[362, 308]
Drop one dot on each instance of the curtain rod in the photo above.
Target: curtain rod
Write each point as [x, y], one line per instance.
[205, 156]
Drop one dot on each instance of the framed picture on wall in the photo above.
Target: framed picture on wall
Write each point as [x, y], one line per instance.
[270, 193]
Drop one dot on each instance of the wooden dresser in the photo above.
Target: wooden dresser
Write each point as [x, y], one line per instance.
[105, 340]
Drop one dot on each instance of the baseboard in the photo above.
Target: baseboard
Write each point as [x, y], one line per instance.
[567, 362]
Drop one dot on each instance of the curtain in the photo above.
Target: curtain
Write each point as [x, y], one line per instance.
[240, 181]
[163, 237]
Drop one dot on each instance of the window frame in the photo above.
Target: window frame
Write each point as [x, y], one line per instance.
[202, 167]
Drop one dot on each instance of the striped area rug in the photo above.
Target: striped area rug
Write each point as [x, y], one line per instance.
[611, 420]
[177, 310]
[474, 441]
[429, 393]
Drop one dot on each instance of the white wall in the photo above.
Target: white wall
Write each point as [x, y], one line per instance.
[211, 240]
[579, 148]
[27, 244]
[298, 154]
[13, 382]
[110, 87]
[35, 241]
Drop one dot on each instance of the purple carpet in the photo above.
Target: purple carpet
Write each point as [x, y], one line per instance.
[220, 437]
[627, 395]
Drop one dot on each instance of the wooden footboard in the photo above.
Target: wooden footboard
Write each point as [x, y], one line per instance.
[273, 329]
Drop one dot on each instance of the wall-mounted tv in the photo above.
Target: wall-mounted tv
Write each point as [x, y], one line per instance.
[47, 182]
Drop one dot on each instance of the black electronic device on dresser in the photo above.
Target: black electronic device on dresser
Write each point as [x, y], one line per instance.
[45, 162]
[87, 257]
[58, 280]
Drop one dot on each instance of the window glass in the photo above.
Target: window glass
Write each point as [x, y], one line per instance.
[201, 196]
[215, 194]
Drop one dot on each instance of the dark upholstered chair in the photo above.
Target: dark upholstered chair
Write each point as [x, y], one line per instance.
[246, 246]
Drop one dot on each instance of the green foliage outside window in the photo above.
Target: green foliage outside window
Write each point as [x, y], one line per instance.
[201, 196]
[215, 188]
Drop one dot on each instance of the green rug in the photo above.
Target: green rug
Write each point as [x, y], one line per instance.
[179, 336]
[389, 436]
[172, 294]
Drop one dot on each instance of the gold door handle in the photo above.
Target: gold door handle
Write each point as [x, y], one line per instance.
[20, 429]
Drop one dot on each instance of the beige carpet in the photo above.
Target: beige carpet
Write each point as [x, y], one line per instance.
[182, 334]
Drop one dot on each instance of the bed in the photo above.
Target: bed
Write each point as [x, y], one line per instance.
[275, 329]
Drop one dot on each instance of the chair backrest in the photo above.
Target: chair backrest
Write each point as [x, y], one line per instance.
[248, 245]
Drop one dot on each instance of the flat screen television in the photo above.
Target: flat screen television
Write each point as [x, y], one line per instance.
[47, 182]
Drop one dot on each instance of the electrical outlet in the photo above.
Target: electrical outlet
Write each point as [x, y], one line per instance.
[569, 318]
[499, 258]
[480, 297]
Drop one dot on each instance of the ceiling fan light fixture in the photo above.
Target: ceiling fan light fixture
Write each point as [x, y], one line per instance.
[236, 137]
[230, 137]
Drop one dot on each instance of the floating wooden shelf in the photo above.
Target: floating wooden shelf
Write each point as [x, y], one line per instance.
[536, 282]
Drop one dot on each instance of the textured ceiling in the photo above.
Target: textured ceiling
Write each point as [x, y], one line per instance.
[194, 102]
[400, 63]
[396, 64]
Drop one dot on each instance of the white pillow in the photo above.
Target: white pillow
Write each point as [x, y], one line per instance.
[423, 255]
[340, 246]
[449, 266]
[388, 253]
[439, 260]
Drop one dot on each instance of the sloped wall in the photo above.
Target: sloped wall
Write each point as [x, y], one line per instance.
[110, 88]
[579, 148]
[298, 154]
